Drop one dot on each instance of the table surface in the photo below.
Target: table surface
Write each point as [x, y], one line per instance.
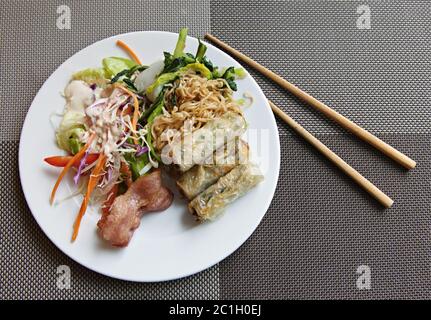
[321, 232]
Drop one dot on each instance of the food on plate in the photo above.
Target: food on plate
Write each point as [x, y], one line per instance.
[195, 147]
[124, 122]
[200, 177]
[146, 194]
[212, 201]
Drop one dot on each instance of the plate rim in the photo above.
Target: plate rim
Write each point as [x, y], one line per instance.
[126, 278]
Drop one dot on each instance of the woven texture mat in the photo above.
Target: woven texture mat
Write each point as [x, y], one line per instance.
[320, 228]
[32, 47]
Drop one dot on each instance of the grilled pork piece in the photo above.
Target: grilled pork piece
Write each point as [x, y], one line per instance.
[146, 194]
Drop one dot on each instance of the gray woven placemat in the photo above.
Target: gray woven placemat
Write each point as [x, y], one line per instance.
[378, 77]
[32, 47]
[320, 228]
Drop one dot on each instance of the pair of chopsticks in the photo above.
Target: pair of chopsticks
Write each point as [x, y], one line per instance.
[363, 134]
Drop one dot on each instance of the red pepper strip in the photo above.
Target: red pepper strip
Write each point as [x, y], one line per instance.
[62, 161]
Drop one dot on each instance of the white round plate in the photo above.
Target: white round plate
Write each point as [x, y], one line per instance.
[170, 244]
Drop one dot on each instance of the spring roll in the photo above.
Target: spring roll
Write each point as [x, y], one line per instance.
[212, 201]
[195, 147]
[200, 177]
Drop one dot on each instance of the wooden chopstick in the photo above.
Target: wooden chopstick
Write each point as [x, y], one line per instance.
[320, 106]
[334, 158]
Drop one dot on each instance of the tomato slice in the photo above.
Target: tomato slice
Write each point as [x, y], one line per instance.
[61, 161]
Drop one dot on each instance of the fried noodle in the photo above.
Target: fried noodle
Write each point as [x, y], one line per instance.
[190, 102]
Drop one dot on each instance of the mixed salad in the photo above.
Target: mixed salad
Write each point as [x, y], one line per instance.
[106, 125]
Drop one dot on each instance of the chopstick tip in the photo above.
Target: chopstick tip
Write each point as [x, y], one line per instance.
[388, 203]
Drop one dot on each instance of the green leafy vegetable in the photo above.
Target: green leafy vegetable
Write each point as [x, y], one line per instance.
[179, 62]
[200, 54]
[114, 65]
[119, 75]
[240, 73]
[229, 76]
[90, 76]
[75, 145]
[71, 126]
[207, 63]
[127, 73]
[150, 110]
[166, 78]
[152, 150]
[198, 67]
[162, 80]
[136, 164]
[130, 84]
[181, 43]
[174, 64]
[157, 110]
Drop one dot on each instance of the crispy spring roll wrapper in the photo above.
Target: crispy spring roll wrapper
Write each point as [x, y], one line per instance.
[200, 177]
[195, 147]
[236, 183]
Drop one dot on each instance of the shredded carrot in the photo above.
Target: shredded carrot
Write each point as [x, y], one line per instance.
[129, 51]
[136, 108]
[92, 183]
[76, 158]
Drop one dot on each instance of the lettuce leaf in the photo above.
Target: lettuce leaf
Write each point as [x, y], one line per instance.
[71, 126]
[91, 76]
[114, 65]
[100, 76]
